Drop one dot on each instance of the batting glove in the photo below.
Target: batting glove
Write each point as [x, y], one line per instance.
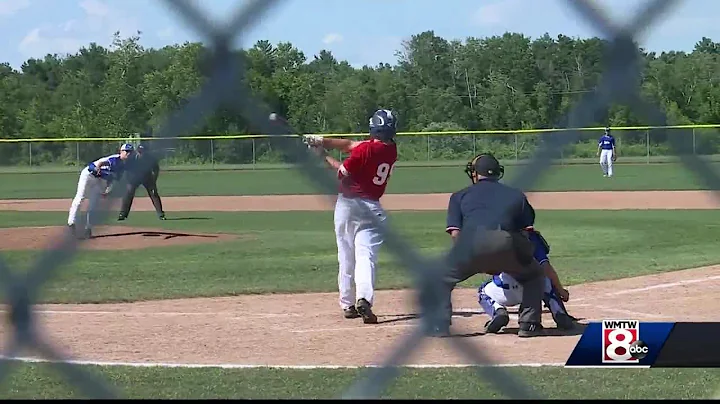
[313, 140]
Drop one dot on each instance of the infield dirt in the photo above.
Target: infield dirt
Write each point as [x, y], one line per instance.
[308, 329]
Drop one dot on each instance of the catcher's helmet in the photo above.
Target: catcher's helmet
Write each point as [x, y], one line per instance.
[484, 164]
[383, 125]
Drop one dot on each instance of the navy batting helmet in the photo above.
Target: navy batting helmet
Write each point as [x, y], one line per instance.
[383, 125]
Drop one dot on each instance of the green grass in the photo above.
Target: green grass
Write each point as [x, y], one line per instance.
[296, 252]
[405, 180]
[40, 382]
[293, 251]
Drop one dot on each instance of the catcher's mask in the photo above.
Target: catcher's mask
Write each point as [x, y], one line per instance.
[486, 165]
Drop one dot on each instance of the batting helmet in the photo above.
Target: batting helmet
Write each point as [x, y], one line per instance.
[484, 164]
[383, 125]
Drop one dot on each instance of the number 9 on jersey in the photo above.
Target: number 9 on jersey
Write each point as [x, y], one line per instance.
[384, 170]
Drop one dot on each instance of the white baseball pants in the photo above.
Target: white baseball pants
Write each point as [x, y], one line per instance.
[91, 188]
[606, 162]
[494, 297]
[358, 243]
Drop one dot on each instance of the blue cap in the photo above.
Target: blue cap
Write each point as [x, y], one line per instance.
[127, 147]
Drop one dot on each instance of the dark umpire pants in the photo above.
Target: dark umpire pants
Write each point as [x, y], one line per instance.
[496, 251]
[150, 184]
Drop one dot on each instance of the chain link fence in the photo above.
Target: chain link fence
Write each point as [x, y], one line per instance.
[258, 152]
[618, 85]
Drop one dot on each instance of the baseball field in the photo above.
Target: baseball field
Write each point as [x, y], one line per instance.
[234, 296]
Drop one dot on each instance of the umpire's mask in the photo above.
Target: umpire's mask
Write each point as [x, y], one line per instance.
[486, 165]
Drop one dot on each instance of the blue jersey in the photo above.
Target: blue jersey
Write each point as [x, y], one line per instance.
[606, 142]
[111, 167]
[541, 253]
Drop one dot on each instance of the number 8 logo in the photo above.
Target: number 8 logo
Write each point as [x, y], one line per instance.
[383, 172]
[622, 345]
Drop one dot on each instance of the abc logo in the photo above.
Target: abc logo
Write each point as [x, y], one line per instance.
[638, 349]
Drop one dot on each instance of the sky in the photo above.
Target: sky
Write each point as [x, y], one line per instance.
[362, 32]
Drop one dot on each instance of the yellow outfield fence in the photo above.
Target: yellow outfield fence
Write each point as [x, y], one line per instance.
[635, 144]
[350, 135]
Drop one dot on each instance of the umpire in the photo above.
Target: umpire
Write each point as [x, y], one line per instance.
[493, 217]
[148, 179]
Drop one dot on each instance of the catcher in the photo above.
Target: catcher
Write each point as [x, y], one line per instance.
[497, 240]
[503, 290]
[148, 180]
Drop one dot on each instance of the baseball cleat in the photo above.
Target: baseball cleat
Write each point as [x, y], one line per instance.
[563, 321]
[121, 218]
[528, 330]
[87, 234]
[162, 216]
[351, 312]
[365, 311]
[499, 320]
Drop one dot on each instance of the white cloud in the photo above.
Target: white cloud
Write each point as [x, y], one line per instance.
[332, 38]
[496, 13]
[492, 14]
[37, 43]
[10, 7]
[95, 8]
[98, 24]
[68, 26]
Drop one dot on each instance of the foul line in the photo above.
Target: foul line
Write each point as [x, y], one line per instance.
[290, 367]
[664, 285]
[652, 287]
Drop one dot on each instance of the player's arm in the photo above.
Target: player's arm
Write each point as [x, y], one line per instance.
[599, 145]
[354, 162]
[454, 217]
[343, 145]
[540, 253]
[555, 280]
[109, 187]
[96, 166]
[614, 149]
[333, 163]
[526, 214]
[155, 168]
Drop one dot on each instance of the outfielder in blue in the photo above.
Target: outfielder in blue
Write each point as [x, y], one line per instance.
[607, 152]
[503, 291]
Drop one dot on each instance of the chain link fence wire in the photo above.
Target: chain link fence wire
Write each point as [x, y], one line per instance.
[225, 87]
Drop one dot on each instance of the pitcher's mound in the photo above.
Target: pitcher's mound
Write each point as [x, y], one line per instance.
[104, 238]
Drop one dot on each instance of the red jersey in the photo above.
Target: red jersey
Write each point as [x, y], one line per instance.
[365, 173]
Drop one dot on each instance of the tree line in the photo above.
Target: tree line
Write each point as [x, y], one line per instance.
[502, 82]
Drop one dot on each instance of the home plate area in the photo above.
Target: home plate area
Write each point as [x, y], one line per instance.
[309, 330]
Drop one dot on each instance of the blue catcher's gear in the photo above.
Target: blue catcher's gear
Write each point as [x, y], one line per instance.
[383, 125]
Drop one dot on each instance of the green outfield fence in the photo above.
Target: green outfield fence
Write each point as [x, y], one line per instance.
[636, 144]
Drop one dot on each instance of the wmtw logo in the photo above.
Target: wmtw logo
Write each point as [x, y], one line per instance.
[621, 342]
